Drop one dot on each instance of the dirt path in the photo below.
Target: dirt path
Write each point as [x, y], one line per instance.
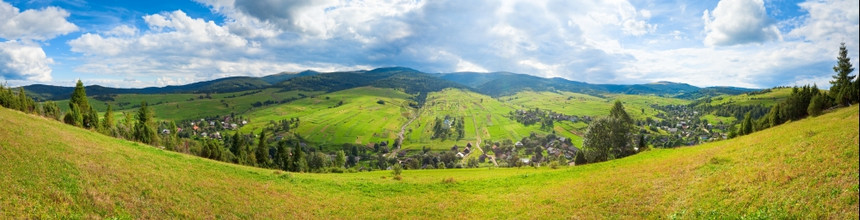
[402, 131]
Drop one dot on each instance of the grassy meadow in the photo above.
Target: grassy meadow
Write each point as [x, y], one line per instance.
[359, 119]
[638, 106]
[485, 119]
[802, 169]
[179, 106]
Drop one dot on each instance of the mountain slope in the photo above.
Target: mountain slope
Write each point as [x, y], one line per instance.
[222, 85]
[803, 169]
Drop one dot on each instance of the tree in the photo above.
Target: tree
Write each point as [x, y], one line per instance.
[299, 161]
[841, 89]
[282, 156]
[74, 117]
[25, 104]
[816, 105]
[92, 119]
[580, 158]
[51, 110]
[611, 137]
[597, 140]
[747, 125]
[144, 130]
[339, 159]
[173, 138]
[79, 97]
[262, 152]
[108, 124]
[618, 112]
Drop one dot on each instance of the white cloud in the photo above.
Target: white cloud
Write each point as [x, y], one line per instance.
[24, 62]
[20, 58]
[42, 24]
[739, 22]
[592, 41]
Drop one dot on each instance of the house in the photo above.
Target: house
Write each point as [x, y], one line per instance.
[518, 144]
[234, 126]
[244, 122]
[525, 160]
[165, 131]
[467, 150]
[204, 134]
[460, 154]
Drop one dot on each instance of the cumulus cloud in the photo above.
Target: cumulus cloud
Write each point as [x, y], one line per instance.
[20, 57]
[42, 24]
[24, 62]
[592, 41]
[739, 22]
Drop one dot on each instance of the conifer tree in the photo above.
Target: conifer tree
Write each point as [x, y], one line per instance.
[108, 124]
[144, 130]
[25, 104]
[262, 151]
[841, 89]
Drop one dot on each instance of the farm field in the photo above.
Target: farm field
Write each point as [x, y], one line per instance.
[193, 106]
[360, 119]
[802, 169]
[638, 106]
[765, 99]
[485, 119]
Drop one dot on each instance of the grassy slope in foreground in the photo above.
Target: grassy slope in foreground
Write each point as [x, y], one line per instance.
[805, 169]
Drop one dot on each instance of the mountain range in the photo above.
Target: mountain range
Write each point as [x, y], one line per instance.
[407, 79]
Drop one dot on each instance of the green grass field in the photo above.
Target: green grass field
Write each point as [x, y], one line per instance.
[485, 119]
[638, 106]
[191, 106]
[765, 99]
[359, 120]
[803, 169]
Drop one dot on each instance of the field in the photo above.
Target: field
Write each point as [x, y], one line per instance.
[802, 169]
[638, 106]
[360, 119]
[764, 99]
[485, 119]
[192, 106]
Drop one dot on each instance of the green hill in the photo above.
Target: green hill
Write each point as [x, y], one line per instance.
[803, 169]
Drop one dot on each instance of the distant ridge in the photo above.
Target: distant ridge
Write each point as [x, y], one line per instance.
[410, 80]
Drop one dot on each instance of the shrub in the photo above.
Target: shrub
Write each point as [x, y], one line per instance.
[553, 165]
[449, 180]
[396, 170]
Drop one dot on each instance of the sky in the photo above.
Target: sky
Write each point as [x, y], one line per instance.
[742, 43]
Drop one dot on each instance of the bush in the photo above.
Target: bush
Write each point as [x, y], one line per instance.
[396, 170]
[449, 180]
[553, 165]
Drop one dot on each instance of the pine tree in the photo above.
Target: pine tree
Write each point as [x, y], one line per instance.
[747, 124]
[51, 110]
[92, 118]
[299, 161]
[74, 117]
[25, 104]
[263, 151]
[79, 96]
[144, 130]
[108, 124]
[816, 105]
[841, 89]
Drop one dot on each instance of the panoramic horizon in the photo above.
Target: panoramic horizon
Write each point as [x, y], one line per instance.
[738, 43]
[622, 109]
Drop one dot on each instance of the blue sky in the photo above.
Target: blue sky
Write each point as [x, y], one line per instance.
[746, 43]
